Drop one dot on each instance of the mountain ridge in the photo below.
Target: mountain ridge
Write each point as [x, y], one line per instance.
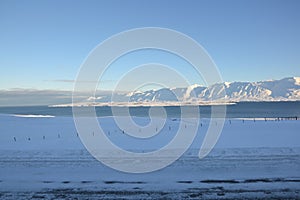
[286, 89]
[271, 90]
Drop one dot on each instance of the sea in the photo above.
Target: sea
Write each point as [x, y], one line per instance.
[289, 109]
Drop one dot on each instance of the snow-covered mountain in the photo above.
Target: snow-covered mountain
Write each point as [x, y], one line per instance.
[273, 90]
[287, 89]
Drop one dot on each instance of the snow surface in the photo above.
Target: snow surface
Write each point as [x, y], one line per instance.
[297, 80]
[253, 158]
[34, 116]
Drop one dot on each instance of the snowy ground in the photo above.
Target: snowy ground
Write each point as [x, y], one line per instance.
[42, 157]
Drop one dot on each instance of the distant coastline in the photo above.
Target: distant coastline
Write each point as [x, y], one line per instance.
[226, 93]
[164, 104]
[142, 104]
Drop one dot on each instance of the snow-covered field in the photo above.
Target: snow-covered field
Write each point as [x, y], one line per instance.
[43, 157]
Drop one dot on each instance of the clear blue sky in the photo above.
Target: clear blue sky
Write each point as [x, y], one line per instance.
[43, 43]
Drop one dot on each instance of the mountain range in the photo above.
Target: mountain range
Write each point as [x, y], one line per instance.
[286, 89]
[275, 90]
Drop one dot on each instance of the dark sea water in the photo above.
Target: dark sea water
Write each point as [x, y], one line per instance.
[239, 110]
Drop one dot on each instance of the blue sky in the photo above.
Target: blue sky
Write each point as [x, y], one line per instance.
[43, 43]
